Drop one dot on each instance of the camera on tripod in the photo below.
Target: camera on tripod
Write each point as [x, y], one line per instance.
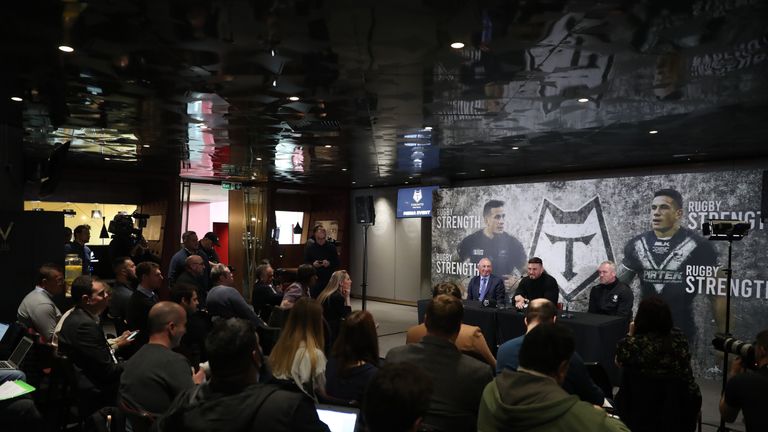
[729, 344]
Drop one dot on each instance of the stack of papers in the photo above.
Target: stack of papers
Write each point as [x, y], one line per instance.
[12, 389]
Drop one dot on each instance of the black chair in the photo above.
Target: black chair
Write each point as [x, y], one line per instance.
[600, 378]
[654, 403]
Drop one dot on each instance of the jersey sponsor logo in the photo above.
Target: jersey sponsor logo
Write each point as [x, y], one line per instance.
[571, 243]
[669, 269]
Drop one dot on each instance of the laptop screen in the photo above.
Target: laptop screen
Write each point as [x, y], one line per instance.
[3, 329]
[21, 350]
[338, 419]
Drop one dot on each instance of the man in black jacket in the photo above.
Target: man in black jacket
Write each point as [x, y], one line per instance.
[233, 399]
[83, 340]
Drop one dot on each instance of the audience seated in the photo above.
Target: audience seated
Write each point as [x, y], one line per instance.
[155, 375]
[233, 399]
[577, 380]
[83, 340]
[194, 274]
[298, 355]
[192, 345]
[470, 340]
[335, 300]
[121, 292]
[37, 310]
[265, 296]
[397, 398]
[150, 281]
[354, 359]
[458, 379]
[224, 301]
[532, 398]
[657, 389]
[305, 278]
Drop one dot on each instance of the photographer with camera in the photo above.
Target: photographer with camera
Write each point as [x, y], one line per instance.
[747, 388]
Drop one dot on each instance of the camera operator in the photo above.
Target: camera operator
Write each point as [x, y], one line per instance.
[748, 389]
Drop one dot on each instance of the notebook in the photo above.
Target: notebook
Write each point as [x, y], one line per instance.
[338, 418]
[18, 354]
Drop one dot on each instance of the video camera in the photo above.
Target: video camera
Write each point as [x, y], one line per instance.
[122, 224]
[729, 344]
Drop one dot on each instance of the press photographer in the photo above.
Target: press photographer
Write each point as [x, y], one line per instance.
[747, 387]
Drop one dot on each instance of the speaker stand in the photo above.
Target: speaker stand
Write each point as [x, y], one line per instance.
[364, 285]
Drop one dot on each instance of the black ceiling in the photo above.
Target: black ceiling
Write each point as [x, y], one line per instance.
[203, 86]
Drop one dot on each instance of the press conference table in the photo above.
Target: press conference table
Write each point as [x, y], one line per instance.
[595, 335]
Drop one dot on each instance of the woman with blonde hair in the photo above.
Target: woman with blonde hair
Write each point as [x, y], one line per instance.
[470, 339]
[335, 300]
[298, 354]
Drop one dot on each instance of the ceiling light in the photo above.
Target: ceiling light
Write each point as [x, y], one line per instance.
[274, 83]
[66, 48]
[68, 212]
[653, 132]
[258, 158]
[106, 158]
[482, 169]
[328, 146]
[354, 182]
[428, 128]
[272, 52]
[457, 45]
[95, 214]
[146, 146]
[583, 100]
[370, 185]
[343, 169]
[515, 148]
[294, 98]
[16, 99]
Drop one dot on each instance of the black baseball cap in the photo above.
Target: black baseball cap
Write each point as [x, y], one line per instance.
[212, 237]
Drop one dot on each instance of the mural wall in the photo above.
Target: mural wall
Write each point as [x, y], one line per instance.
[657, 244]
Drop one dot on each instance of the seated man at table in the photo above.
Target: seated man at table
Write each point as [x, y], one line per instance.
[458, 378]
[577, 380]
[531, 398]
[470, 339]
[538, 284]
[486, 286]
[611, 296]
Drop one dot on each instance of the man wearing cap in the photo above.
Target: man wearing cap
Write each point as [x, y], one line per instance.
[206, 244]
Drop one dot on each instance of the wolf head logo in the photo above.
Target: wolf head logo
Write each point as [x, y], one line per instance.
[572, 244]
[417, 195]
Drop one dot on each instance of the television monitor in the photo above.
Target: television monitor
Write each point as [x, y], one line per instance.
[415, 202]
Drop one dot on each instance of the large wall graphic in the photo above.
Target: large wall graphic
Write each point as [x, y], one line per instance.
[658, 248]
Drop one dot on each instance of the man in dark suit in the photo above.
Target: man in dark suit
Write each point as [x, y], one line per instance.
[458, 379]
[194, 274]
[83, 340]
[150, 280]
[486, 286]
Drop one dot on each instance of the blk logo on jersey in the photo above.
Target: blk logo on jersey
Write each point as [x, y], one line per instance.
[572, 243]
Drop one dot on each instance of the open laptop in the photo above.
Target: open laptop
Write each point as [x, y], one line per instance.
[14, 362]
[338, 418]
[3, 329]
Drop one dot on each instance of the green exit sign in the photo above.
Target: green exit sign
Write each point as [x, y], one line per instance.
[231, 186]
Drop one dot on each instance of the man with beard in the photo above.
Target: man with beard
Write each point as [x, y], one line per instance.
[659, 258]
[323, 257]
[505, 252]
[122, 289]
[155, 374]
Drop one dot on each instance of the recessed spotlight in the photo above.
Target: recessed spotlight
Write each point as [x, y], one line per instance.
[653, 132]
[258, 158]
[274, 83]
[354, 182]
[482, 169]
[457, 45]
[294, 98]
[461, 173]
[406, 182]
[428, 128]
[328, 146]
[272, 52]
[583, 100]
[343, 169]
[16, 99]
[410, 177]
[146, 146]
[66, 48]
[515, 148]
[106, 158]
[370, 185]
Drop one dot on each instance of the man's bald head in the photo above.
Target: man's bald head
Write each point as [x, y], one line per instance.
[163, 313]
[539, 311]
[195, 264]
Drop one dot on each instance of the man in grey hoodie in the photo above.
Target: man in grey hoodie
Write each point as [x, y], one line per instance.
[532, 399]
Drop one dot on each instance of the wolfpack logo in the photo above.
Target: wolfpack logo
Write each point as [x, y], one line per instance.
[417, 195]
[572, 244]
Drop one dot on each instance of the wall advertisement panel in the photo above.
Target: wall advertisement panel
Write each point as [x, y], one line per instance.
[657, 245]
